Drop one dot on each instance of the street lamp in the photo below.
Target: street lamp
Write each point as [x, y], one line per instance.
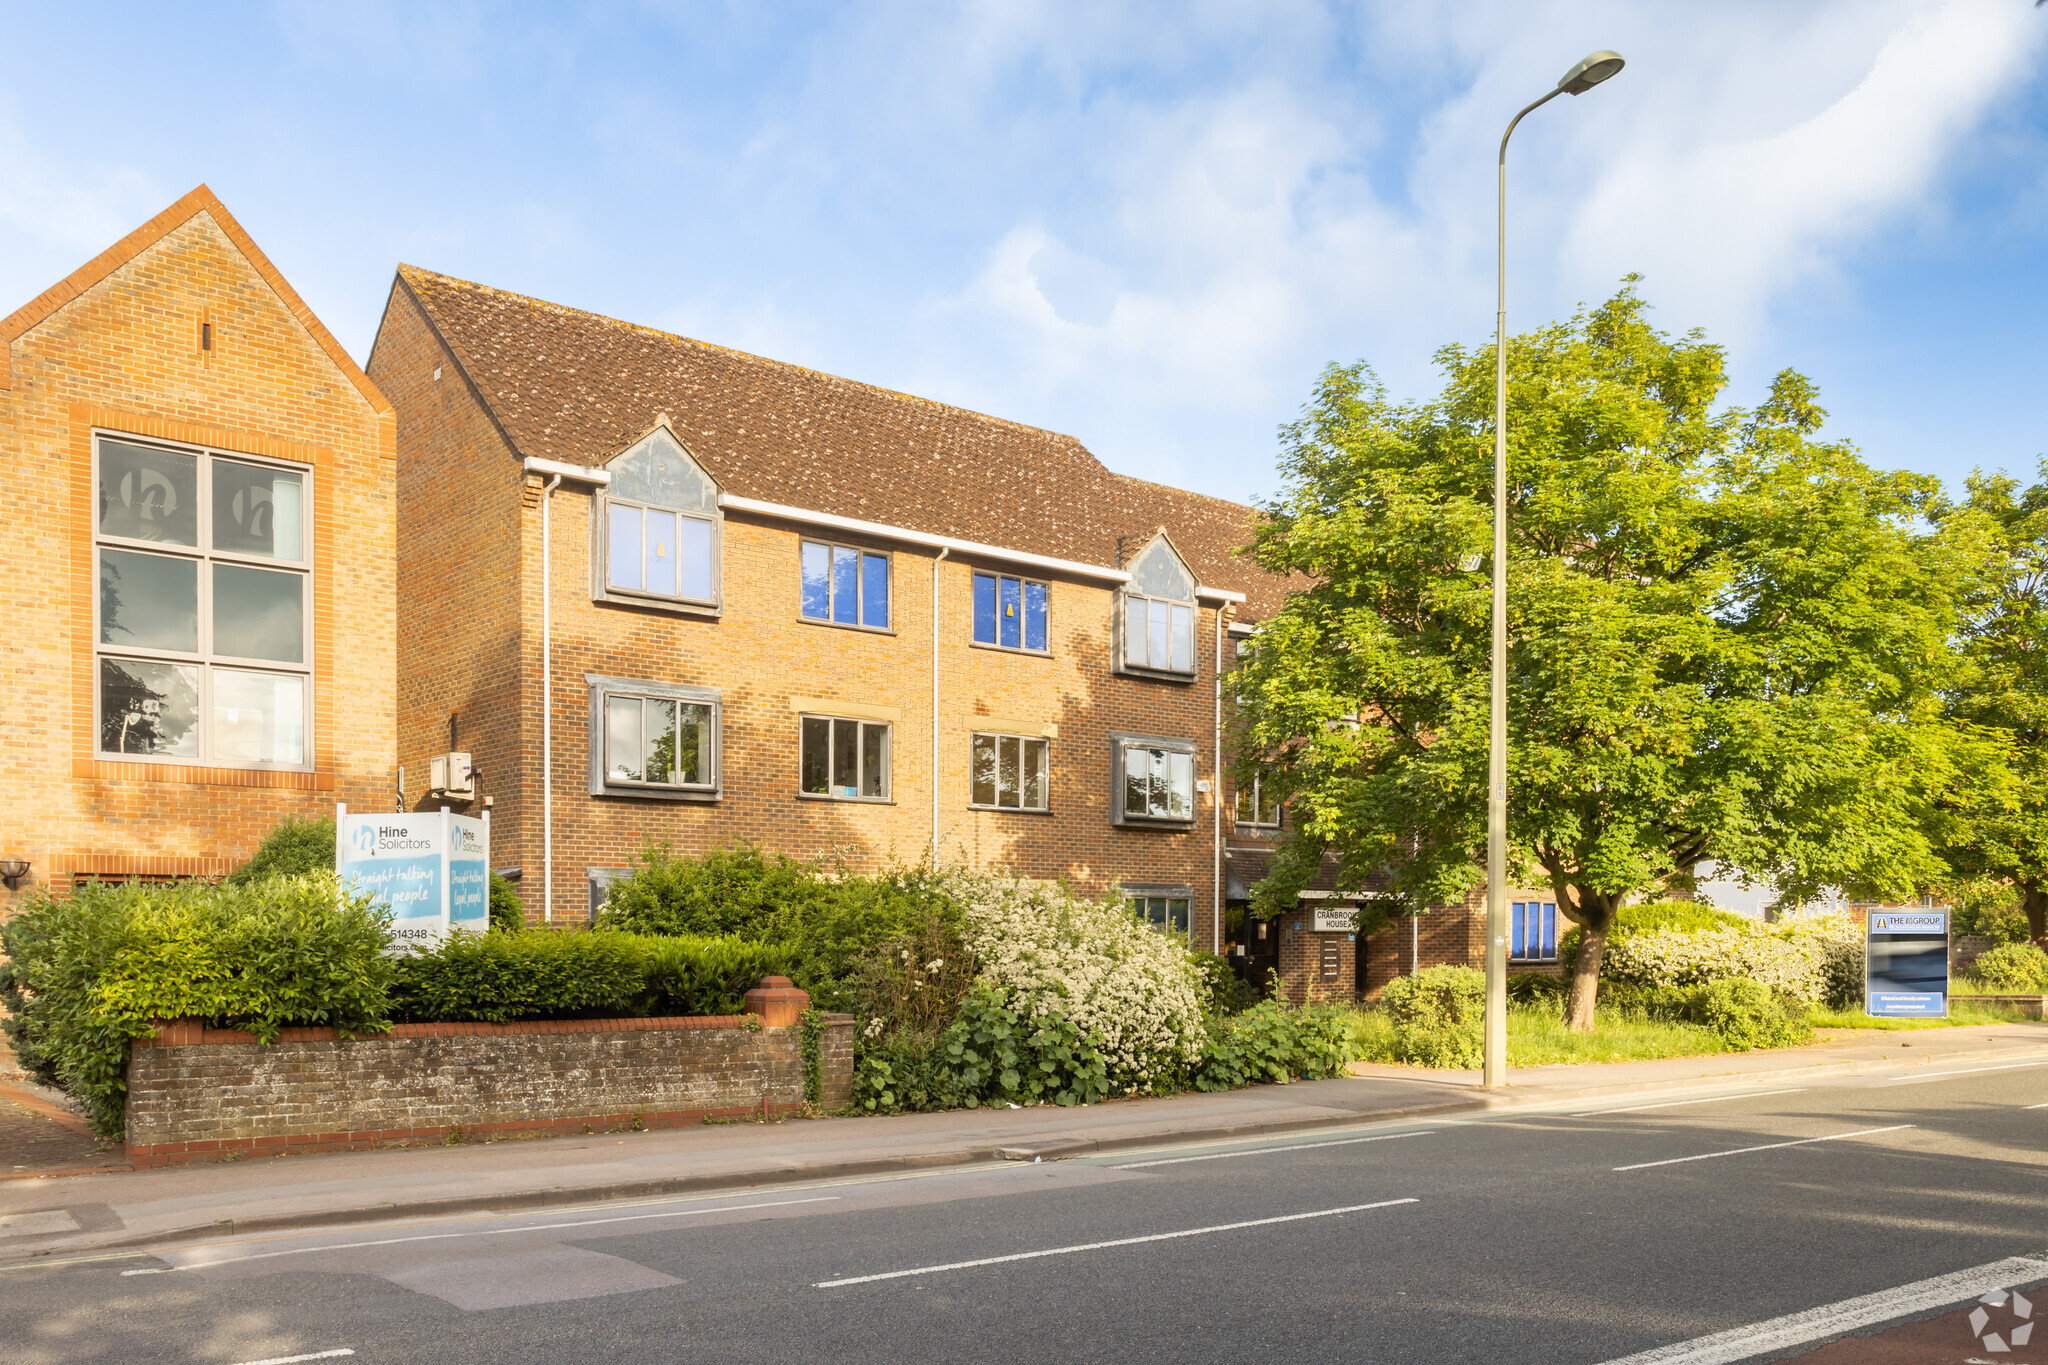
[1588, 73]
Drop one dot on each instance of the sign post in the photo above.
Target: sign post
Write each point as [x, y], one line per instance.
[1905, 964]
[431, 871]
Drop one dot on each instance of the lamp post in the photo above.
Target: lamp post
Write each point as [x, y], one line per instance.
[1589, 72]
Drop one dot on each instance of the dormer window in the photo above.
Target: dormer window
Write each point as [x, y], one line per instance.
[1159, 613]
[657, 528]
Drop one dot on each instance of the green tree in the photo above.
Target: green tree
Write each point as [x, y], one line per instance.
[1725, 634]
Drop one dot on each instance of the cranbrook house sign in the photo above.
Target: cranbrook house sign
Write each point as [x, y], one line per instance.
[429, 870]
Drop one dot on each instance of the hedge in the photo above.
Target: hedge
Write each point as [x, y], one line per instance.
[571, 974]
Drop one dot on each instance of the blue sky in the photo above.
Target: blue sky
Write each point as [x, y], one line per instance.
[1145, 225]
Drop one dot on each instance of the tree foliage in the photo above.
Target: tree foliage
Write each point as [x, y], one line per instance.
[1727, 635]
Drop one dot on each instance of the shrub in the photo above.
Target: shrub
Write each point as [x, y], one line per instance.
[1538, 988]
[1684, 917]
[990, 1054]
[1745, 1013]
[1272, 1042]
[508, 915]
[569, 974]
[1223, 990]
[1438, 1016]
[2013, 967]
[295, 848]
[1810, 959]
[88, 973]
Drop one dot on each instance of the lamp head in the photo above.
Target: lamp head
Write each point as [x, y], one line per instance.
[1590, 71]
[12, 870]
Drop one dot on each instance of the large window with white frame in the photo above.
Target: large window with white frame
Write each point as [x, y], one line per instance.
[1009, 612]
[652, 739]
[1011, 772]
[203, 621]
[657, 530]
[1158, 630]
[844, 759]
[843, 586]
[1154, 781]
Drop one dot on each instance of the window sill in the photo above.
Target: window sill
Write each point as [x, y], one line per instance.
[846, 625]
[704, 797]
[668, 605]
[1155, 822]
[1009, 810]
[1532, 962]
[1155, 674]
[135, 768]
[1006, 649]
[1255, 831]
[847, 800]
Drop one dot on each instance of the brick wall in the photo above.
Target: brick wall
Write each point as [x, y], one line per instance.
[195, 1093]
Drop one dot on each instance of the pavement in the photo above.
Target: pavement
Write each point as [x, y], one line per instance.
[79, 1209]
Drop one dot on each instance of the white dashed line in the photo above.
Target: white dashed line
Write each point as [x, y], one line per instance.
[1261, 1151]
[293, 1360]
[1966, 1071]
[1673, 1104]
[1766, 1147]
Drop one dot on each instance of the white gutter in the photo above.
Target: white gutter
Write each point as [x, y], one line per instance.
[907, 536]
[1208, 594]
[943, 552]
[555, 471]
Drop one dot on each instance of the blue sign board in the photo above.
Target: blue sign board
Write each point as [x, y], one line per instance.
[431, 871]
[1905, 963]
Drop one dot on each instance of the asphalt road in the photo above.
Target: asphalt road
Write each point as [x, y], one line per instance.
[1523, 1237]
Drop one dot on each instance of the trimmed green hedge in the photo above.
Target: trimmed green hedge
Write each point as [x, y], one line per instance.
[572, 974]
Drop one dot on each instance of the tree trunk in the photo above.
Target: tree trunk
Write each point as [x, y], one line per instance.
[1578, 1009]
[2034, 900]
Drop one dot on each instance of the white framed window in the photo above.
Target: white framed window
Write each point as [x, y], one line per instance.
[1256, 807]
[1158, 613]
[1154, 781]
[1010, 772]
[202, 605]
[656, 538]
[1010, 613]
[842, 585]
[1166, 908]
[844, 759]
[653, 740]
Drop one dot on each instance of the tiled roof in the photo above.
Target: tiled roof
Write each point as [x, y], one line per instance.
[577, 387]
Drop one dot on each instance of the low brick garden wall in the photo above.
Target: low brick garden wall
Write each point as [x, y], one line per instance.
[196, 1093]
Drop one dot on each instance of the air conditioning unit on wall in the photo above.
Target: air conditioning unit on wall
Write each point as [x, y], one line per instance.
[451, 778]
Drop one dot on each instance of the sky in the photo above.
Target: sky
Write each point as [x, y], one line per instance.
[1146, 225]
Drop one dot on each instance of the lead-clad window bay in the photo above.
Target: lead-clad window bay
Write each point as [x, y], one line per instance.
[653, 740]
[660, 523]
[1159, 612]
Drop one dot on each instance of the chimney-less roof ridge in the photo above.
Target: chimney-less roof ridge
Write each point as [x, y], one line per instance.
[419, 274]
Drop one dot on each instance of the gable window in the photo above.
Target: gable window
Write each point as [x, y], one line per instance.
[203, 605]
[1256, 807]
[1159, 612]
[1009, 613]
[658, 524]
[847, 760]
[845, 586]
[1532, 931]
[1011, 772]
[1154, 781]
[1164, 908]
[654, 740]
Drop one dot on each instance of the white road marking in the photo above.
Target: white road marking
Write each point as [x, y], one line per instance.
[501, 1232]
[1836, 1319]
[152, 1270]
[1100, 1246]
[1766, 1147]
[2034, 1106]
[1673, 1104]
[1261, 1151]
[1966, 1071]
[293, 1360]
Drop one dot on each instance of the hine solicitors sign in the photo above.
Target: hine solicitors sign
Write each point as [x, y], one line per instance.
[431, 871]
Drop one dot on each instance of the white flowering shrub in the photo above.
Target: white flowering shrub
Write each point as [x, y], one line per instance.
[1810, 959]
[1136, 994]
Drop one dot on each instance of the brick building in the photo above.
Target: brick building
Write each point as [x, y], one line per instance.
[201, 488]
[792, 609]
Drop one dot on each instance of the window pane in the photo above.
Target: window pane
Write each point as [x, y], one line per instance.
[1010, 615]
[661, 552]
[817, 756]
[258, 614]
[1134, 631]
[1137, 780]
[845, 585]
[1550, 931]
[693, 745]
[985, 608]
[623, 550]
[149, 494]
[149, 600]
[874, 590]
[1180, 786]
[846, 758]
[259, 717]
[1158, 644]
[1517, 929]
[1177, 914]
[695, 576]
[874, 758]
[659, 716]
[1034, 616]
[817, 580]
[1009, 771]
[257, 510]
[1034, 774]
[622, 746]
[982, 771]
[1184, 639]
[148, 708]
